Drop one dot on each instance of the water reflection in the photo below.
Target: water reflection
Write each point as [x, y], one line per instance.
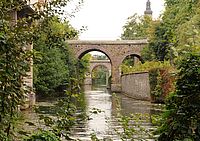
[104, 123]
[99, 109]
[99, 100]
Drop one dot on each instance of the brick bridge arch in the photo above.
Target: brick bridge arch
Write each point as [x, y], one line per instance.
[94, 64]
[116, 51]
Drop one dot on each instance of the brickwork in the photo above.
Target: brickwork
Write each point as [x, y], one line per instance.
[116, 51]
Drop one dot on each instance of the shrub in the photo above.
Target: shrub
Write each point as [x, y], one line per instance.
[43, 136]
[182, 116]
[161, 84]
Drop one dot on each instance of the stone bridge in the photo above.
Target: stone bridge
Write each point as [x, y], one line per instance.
[94, 64]
[116, 51]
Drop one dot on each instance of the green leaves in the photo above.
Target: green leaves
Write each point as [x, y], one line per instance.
[136, 27]
[53, 69]
[18, 30]
[183, 108]
[43, 136]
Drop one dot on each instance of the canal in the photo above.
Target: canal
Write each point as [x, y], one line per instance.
[108, 116]
[112, 110]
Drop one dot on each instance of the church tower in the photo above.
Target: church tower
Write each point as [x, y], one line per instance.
[148, 10]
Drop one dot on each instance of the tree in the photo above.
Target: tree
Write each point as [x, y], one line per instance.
[99, 75]
[143, 27]
[55, 67]
[158, 44]
[182, 116]
[167, 39]
[15, 35]
[83, 66]
[136, 27]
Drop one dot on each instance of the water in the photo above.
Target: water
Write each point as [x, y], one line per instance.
[105, 123]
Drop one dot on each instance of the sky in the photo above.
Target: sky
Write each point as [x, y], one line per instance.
[105, 19]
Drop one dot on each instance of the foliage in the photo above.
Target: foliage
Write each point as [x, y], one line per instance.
[43, 136]
[83, 67]
[15, 39]
[99, 57]
[136, 27]
[131, 61]
[181, 120]
[145, 67]
[147, 54]
[189, 36]
[16, 36]
[155, 81]
[62, 115]
[161, 84]
[99, 75]
[55, 66]
[161, 80]
[158, 45]
[171, 36]
[177, 30]
[94, 137]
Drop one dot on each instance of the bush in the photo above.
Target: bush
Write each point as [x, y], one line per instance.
[182, 116]
[161, 84]
[145, 67]
[53, 70]
[43, 136]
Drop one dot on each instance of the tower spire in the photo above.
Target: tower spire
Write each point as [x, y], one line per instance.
[148, 10]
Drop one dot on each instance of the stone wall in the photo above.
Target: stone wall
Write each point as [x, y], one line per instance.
[136, 85]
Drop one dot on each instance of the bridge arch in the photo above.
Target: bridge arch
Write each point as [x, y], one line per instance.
[95, 64]
[139, 58]
[99, 65]
[116, 51]
[81, 54]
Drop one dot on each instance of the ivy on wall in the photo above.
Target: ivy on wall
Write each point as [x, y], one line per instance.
[161, 84]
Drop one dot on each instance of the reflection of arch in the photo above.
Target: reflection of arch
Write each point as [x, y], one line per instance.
[116, 51]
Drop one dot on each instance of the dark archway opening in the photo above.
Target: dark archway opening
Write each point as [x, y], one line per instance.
[95, 72]
[129, 62]
[100, 75]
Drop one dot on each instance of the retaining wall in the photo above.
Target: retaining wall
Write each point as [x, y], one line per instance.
[136, 85]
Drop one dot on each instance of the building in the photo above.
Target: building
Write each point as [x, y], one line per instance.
[148, 10]
[25, 12]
